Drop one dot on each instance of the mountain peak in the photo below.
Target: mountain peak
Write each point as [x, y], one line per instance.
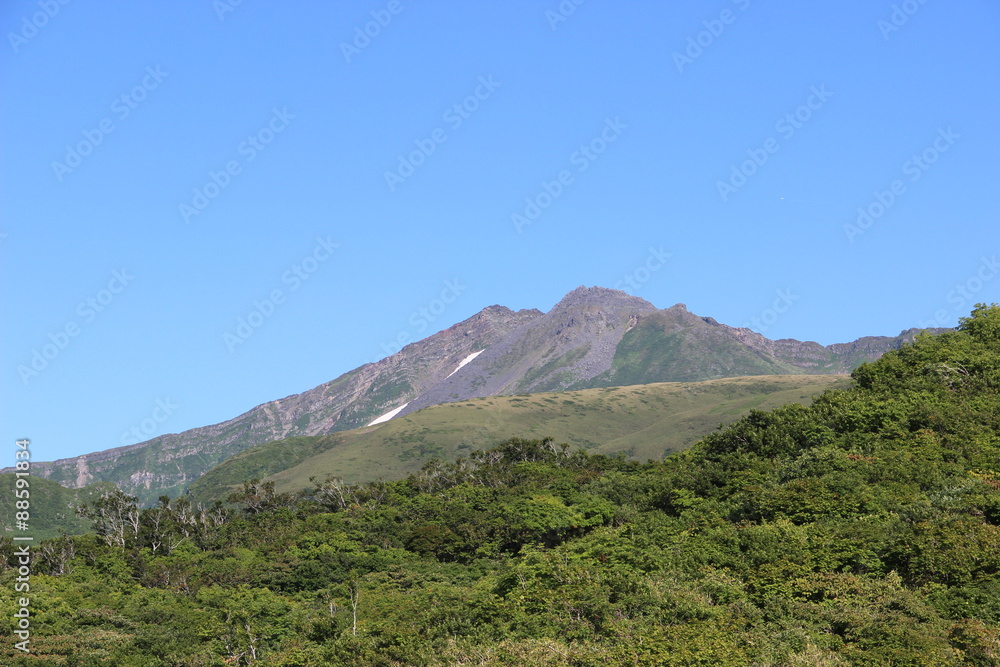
[602, 296]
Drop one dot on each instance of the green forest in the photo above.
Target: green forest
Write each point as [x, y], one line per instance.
[862, 529]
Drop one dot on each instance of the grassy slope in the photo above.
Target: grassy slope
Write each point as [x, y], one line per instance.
[644, 421]
[656, 348]
[53, 507]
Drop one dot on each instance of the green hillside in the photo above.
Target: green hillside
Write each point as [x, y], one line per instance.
[861, 530]
[644, 421]
[659, 347]
[53, 507]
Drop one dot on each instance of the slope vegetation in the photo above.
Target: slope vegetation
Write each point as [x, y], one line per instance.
[860, 530]
[53, 508]
[644, 422]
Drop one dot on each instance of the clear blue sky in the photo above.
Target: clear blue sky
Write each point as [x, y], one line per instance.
[201, 149]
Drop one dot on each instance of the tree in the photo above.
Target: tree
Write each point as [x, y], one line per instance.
[115, 516]
[56, 555]
[983, 323]
[258, 496]
[335, 494]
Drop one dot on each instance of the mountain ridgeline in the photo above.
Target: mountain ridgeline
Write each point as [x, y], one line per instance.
[594, 337]
[860, 530]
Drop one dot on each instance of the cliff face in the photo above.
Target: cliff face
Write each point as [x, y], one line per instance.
[594, 337]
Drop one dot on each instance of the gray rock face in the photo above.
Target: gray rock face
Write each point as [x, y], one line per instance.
[592, 337]
[575, 340]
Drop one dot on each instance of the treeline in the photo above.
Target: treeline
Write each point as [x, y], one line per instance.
[861, 530]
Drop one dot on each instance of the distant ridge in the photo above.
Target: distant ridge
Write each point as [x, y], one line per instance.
[594, 337]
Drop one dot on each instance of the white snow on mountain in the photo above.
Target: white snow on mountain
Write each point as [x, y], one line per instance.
[464, 362]
[387, 416]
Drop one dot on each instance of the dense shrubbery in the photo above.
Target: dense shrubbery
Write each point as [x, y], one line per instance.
[862, 530]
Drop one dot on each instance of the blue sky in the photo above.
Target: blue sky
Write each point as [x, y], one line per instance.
[324, 171]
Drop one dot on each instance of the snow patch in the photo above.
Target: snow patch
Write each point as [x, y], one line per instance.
[387, 416]
[464, 362]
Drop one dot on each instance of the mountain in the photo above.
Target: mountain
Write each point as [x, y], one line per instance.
[169, 463]
[594, 337]
[645, 421]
